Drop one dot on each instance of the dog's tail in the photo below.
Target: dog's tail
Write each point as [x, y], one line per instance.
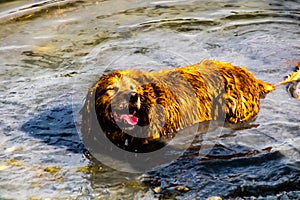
[265, 88]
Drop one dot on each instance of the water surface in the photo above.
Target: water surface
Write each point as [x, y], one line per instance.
[52, 51]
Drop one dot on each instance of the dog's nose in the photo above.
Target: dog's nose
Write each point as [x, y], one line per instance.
[131, 94]
[123, 106]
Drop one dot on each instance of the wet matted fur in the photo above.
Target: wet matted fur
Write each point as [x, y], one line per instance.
[135, 109]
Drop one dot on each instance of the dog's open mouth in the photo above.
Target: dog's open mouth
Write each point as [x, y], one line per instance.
[125, 121]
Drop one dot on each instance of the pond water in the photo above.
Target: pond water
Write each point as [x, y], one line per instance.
[52, 51]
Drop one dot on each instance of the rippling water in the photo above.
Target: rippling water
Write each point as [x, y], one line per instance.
[52, 51]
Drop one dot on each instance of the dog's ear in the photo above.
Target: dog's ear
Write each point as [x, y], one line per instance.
[154, 87]
[107, 82]
[156, 93]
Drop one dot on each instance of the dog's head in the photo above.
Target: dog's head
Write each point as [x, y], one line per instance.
[127, 100]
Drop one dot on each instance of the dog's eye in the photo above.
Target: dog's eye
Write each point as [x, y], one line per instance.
[112, 91]
[116, 89]
[132, 87]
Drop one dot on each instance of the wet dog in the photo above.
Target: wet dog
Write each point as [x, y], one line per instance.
[135, 108]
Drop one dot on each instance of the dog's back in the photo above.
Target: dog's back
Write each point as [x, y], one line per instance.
[242, 90]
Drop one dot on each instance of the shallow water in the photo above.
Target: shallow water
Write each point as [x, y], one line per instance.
[52, 51]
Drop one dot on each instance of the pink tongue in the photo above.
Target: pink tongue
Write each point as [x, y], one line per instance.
[132, 120]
